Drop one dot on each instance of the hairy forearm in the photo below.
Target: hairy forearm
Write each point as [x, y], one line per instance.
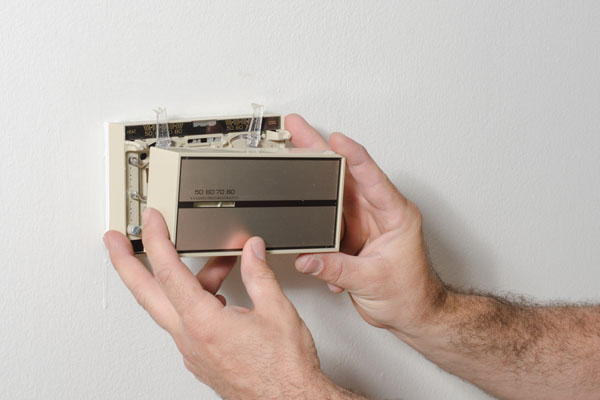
[323, 388]
[318, 386]
[297, 386]
[344, 394]
[515, 350]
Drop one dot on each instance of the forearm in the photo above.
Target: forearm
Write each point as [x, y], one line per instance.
[315, 385]
[513, 350]
[340, 393]
[326, 389]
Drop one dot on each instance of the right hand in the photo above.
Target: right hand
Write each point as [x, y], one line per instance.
[383, 262]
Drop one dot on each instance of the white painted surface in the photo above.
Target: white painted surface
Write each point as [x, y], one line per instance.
[487, 114]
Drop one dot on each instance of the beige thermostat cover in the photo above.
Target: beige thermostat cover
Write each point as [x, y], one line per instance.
[215, 192]
[215, 200]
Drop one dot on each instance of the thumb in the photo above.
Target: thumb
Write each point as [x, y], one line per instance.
[338, 269]
[260, 281]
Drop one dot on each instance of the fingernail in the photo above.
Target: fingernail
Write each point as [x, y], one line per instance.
[145, 216]
[258, 247]
[313, 266]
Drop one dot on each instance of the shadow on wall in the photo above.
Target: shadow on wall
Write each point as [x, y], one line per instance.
[459, 257]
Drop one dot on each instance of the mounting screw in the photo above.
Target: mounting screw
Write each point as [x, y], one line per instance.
[134, 230]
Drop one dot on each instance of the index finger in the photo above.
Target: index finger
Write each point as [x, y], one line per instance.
[214, 272]
[372, 182]
[180, 285]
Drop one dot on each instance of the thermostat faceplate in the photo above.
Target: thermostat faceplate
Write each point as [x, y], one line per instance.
[213, 198]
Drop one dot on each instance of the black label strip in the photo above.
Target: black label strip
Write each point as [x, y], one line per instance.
[201, 127]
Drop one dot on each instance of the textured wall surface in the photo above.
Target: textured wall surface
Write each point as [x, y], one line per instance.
[485, 113]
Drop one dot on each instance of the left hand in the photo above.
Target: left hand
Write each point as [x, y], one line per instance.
[382, 261]
[265, 352]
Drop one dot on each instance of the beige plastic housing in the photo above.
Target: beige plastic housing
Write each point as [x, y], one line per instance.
[128, 159]
[130, 170]
[213, 200]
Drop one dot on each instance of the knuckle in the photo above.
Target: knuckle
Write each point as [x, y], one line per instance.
[337, 270]
[330, 270]
[408, 218]
[361, 148]
[189, 322]
[417, 215]
[265, 274]
[163, 276]
[190, 360]
[194, 328]
[188, 364]
[288, 308]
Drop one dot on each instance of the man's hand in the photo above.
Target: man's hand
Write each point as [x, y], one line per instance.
[267, 352]
[511, 350]
[383, 261]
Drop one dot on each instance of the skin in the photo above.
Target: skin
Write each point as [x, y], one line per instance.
[262, 353]
[509, 349]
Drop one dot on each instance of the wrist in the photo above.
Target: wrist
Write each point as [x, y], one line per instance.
[431, 305]
[320, 386]
[323, 388]
[434, 335]
[297, 384]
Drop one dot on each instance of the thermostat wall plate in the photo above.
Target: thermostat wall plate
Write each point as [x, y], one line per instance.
[215, 191]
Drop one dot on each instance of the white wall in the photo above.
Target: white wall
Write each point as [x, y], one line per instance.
[486, 113]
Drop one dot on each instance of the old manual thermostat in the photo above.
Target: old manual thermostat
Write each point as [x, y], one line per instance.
[219, 181]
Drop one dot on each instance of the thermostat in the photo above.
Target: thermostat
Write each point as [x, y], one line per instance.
[219, 181]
